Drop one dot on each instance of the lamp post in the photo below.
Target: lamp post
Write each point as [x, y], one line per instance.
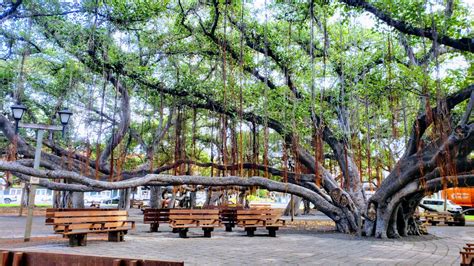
[18, 111]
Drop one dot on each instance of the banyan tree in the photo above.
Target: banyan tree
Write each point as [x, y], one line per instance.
[309, 98]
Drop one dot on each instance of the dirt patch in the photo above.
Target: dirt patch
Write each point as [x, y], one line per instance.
[311, 225]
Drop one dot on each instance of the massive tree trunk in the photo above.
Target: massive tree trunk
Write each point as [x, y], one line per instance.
[423, 169]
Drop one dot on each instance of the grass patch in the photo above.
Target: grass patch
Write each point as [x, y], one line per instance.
[470, 218]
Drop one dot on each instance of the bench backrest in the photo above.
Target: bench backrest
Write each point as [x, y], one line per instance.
[50, 212]
[91, 219]
[194, 216]
[260, 206]
[156, 215]
[229, 206]
[229, 214]
[254, 216]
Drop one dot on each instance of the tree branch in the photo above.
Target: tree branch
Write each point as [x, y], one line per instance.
[424, 120]
[321, 204]
[463, 44]
[12, 10]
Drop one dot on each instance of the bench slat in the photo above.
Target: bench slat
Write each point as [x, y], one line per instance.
[243, 217]
[97, 231]
[73, 220]
[193, 211]
[191, 221]
[259, 218]
[193, 217]
[61, 228]
[89, 213]
[254, 211]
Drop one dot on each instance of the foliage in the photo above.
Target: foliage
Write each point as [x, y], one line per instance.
[156, 44]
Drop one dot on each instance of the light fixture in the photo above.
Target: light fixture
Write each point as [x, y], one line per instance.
[17, 110]
[64, 116]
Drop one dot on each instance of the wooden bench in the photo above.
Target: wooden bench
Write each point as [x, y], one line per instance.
[183, 219]
[467, 255]
[435, 218]
[139, 204]
[250, 219]
[155, 217]
[77, 224]
[260, 206]
[50, 212]
[228, 215]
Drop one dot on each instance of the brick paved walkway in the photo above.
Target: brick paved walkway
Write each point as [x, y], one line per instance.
[305, 247]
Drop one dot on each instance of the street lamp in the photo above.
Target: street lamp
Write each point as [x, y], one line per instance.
[64, 116]
[17, 110]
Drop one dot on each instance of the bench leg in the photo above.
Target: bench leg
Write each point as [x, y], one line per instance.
[154, 227]
[175, 230]
[5, 258]
[207, 231]
[250, 231]
[272, 231]
[117, 236]
[183, 232]
[228, 228]
[77, 240]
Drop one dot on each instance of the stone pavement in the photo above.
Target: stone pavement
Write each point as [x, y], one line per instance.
[291, 246]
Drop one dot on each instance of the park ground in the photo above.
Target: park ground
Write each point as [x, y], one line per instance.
[306, 241]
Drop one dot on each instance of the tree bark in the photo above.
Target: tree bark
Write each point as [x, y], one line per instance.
[293, 206]
[56, 199]
[124, 199]
[156, 196]
[77, 199]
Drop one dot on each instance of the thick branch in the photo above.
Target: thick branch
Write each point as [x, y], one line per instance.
[12, 10]
[464, 44]
[322, 204]
[459, 143]
[424, 120]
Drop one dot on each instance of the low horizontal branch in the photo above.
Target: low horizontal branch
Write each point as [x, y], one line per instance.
[321, 203]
